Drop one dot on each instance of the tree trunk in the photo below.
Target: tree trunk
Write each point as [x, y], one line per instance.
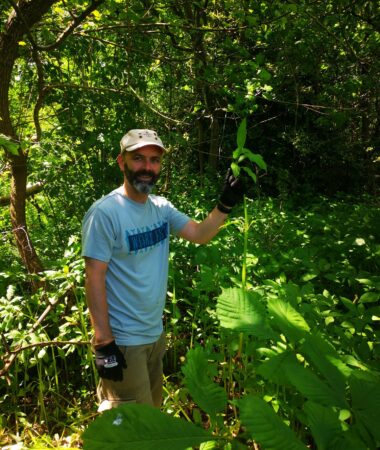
[18, 217]
[18, 27]
[19, 23]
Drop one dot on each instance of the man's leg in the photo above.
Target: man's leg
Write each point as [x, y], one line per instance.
[142, 379]
[155, 368]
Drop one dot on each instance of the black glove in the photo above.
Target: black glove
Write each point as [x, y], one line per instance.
[232, 193]
[110, 362]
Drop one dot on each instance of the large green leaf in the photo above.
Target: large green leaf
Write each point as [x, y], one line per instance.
[241, 310]
[255, 158]
[266, 427]
[324, 423]
[250, 173]
[287, 319]
[209, 396]
[312, 387]
[327, 429]
[136, 427]
[242, 134]
[365, 390]
[326, 360]
[273, 369]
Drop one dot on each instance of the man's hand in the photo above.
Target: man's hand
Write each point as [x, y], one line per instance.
[110, 362]
[232, 193]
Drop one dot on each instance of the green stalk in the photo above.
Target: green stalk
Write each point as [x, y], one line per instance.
[245, 250]
[244, 266]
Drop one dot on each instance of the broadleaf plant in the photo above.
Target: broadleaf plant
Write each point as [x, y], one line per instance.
[198, 379]
[266, 427]
[137, 426]
[241, 154]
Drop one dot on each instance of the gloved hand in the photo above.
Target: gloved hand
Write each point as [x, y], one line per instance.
[110, 362]
[232, 192]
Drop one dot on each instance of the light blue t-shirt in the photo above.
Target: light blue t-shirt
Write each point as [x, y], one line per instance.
[133, 238]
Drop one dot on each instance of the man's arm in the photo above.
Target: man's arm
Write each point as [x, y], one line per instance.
[97, 300]
[203, 232]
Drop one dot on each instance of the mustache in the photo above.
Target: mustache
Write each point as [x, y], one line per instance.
[145, 173]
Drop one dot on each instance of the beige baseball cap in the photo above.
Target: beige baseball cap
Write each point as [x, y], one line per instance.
[135, 139]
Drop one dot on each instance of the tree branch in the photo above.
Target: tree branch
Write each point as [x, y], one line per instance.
[71, 27]
[12, 354]
[115, 91]
[31, 190]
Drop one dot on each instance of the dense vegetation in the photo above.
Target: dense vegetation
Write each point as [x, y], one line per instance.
[273, 327]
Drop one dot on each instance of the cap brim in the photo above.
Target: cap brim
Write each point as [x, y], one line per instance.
[143, 144]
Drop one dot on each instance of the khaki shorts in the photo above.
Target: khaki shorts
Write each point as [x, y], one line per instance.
[142, 379]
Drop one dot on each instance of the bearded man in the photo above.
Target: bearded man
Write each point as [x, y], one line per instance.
[125, 243]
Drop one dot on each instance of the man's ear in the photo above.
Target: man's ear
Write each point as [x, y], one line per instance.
[120, 161]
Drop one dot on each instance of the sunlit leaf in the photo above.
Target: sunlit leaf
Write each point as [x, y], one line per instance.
[370, 297]
[235, 169]
[9, 144]
[208, 395]
[255, 158]
[326, 360]
[242, 133]
[241, 310]
[287, 319]
[137, 426]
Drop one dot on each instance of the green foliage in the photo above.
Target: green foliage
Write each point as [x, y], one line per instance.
[243, 311]
[305, 78]
[306, 345]
[242, 154]
[266, 427]
[199, 374]
[133, 426]
[7, 144]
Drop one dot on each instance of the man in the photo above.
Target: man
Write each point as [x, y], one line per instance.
[126, 251]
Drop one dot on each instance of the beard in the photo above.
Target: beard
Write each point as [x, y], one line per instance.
[141, 186]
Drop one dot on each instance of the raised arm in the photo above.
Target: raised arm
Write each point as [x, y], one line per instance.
[202, 232]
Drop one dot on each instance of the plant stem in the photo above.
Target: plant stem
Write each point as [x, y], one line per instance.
[245, 231]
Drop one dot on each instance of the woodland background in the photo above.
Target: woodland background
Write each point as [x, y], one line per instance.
[75, 76]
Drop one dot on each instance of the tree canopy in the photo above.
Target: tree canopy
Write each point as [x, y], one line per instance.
[74, 76]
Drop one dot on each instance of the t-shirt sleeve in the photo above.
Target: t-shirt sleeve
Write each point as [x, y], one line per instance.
[177, 220]
[98, 237]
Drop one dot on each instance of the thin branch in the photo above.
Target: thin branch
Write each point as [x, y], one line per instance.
[166, 25]
[48, 344]
[12, 354]
[71, 27]
[115, 91]
[31, 190]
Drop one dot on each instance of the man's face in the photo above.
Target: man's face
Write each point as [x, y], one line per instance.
[142, 168]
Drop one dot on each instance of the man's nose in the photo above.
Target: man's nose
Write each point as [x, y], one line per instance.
[147, 164]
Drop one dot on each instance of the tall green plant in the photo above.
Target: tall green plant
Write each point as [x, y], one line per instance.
[244, 160]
